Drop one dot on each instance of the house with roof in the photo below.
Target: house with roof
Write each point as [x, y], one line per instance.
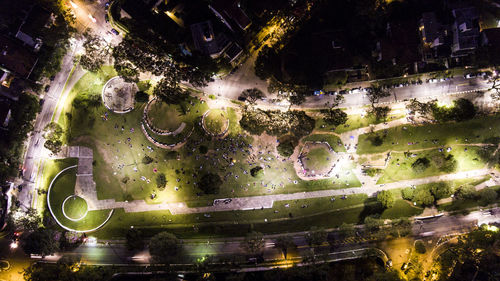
[208, 43]
[16, 58]
[30, 30]
[434, 43]
[465, 31]
[231, 14]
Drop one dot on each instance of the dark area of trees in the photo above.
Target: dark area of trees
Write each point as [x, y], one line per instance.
[164, 247]
[256, 171]
[461, 110]
[96, 52]
[23, 112]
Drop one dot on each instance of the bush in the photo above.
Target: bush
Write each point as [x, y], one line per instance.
[372, 171]
[161, 181]
[147, 160]
[420, 247]
[423, 197]
[386, 198]
[256, 171]
[141, 97]
[407, 193]
[488, 195]
[441, 190]
[466, 192]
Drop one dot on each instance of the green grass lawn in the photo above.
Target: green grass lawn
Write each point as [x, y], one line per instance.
[399, 167]
[215, 121]
[165, 116]
[90, 84]
[75, 207]
[406, 137]
[354, 121]
[332, 140]
[318, 159]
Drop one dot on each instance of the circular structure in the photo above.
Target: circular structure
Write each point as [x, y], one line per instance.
[118, 95]
[74, 208]
[164, 118]
[215, 122]
[317, 159]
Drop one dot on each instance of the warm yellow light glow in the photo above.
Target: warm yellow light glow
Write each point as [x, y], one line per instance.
[73, 4]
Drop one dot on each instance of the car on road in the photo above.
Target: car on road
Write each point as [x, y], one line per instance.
[106, 5]
[114, 31]
[47, 88]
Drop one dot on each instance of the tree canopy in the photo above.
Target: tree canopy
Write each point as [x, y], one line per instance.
[210, 183]
[386, 198]
[253, 243]
[164, 247]
[41, 241]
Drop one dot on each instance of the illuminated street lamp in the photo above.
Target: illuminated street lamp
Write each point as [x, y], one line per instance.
[14, 245]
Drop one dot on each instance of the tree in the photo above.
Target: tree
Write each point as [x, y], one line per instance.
[96, 52]
[286, 148]
[161, 181]
[386, 198]
[283, 243]
[466, 192]
[334, 116]
[463, 109]
[252, 95]
[488, 195]
[256, 171]
[210, 183]
[254, 242]
[375, 93]
[169, 91]
[316, 236]
[134, 239]
[141, 97]
[41, 241]
[164, 247]
[379, 112]
[440, 190]
[53, 133]
[27, 221]
[423, 197]
[420, 165]
[407, 193]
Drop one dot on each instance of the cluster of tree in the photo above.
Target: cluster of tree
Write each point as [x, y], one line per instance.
[23, 112]
[135, 55]
[277, 123]
[66, 269]
[287, 145]
[96, 52]
[426, 195]
[53, 133]
[461, 110]
[55, 39]
[141, 96]
[386, 198]
[473, 257]
[334, 116]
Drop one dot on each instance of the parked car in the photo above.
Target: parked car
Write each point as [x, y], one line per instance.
[106, 18]
[114, 31]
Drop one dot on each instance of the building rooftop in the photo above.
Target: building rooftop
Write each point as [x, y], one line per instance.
[206, 41]
[16, 58]
[229, 12]
[465, 30]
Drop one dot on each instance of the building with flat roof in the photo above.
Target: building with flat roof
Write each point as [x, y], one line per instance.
[465, 31]
[30, 30]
